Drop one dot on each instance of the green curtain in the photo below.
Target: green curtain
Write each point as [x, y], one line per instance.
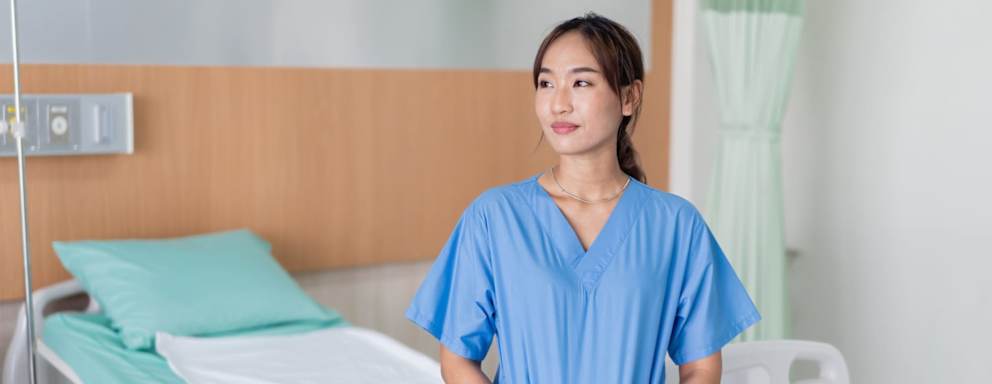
[752, 49]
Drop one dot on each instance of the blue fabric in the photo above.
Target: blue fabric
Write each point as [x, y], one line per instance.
[653, 281]
[189, 286]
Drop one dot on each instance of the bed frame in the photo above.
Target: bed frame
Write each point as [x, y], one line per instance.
[50, 368]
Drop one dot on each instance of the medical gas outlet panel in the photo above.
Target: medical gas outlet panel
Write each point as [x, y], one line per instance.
[70, 124]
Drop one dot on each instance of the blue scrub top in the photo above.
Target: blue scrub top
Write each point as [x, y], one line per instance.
[653, 281]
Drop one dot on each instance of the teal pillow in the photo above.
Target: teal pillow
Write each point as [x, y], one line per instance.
[190, 286]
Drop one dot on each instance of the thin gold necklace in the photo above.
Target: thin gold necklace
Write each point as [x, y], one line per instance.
[576, 197]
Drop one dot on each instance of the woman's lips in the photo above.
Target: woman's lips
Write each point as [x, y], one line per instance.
[562, 128]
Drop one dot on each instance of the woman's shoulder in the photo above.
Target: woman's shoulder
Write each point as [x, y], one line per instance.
[666, 202]
[504, 194]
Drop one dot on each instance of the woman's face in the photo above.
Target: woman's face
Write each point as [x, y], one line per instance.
[579, 113]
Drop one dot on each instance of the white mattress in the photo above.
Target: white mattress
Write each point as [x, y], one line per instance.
[335, 355]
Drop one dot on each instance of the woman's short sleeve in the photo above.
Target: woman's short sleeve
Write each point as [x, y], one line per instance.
[455, 300]
[713, 305]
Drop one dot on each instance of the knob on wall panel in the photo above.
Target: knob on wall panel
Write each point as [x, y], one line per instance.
[71, 124]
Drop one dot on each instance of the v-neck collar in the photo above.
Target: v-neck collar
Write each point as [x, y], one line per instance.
[587, 264]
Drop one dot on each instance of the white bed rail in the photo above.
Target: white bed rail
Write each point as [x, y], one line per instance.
[769, 362]
[15, 369]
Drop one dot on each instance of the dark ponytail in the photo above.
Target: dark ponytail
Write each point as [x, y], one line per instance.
[617, 53]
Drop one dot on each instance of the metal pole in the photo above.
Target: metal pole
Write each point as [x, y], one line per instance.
[19, 131]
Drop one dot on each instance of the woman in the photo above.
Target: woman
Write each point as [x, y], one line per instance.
[586, 274]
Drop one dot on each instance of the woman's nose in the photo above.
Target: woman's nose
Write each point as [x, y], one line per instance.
[562, 101]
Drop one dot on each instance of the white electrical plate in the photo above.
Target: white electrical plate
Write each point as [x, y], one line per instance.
[71, 124]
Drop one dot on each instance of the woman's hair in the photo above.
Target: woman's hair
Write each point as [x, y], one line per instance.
[617, 53]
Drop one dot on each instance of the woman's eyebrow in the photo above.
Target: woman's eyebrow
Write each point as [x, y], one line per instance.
[573, 70]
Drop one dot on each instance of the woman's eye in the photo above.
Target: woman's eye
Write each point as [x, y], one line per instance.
[582, 83]
[543, 84]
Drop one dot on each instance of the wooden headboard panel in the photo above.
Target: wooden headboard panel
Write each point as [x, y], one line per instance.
[336, 167]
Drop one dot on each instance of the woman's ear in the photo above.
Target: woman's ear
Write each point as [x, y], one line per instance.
[631, 97]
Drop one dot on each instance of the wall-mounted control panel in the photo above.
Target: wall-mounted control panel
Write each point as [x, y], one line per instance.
[70, 124]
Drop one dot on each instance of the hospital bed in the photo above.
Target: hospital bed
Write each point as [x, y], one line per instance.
[80, 338]
[744, 363]
[202, 329]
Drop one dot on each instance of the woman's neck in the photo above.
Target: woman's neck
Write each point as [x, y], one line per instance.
[590, 177]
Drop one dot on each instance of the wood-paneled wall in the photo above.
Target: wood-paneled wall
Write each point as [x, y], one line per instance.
[336, 167]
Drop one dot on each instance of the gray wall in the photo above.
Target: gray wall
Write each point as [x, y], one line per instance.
[309, 33]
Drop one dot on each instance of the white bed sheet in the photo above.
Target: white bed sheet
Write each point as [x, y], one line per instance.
[334, 355]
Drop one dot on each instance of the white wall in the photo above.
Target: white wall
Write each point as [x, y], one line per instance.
[888, 182]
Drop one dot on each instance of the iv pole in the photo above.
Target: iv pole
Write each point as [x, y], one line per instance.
[17, 129]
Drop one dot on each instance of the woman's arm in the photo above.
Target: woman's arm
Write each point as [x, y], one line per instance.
[703, 371]
[459, 370]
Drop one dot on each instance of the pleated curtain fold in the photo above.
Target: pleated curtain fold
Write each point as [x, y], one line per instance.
[752, 50]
